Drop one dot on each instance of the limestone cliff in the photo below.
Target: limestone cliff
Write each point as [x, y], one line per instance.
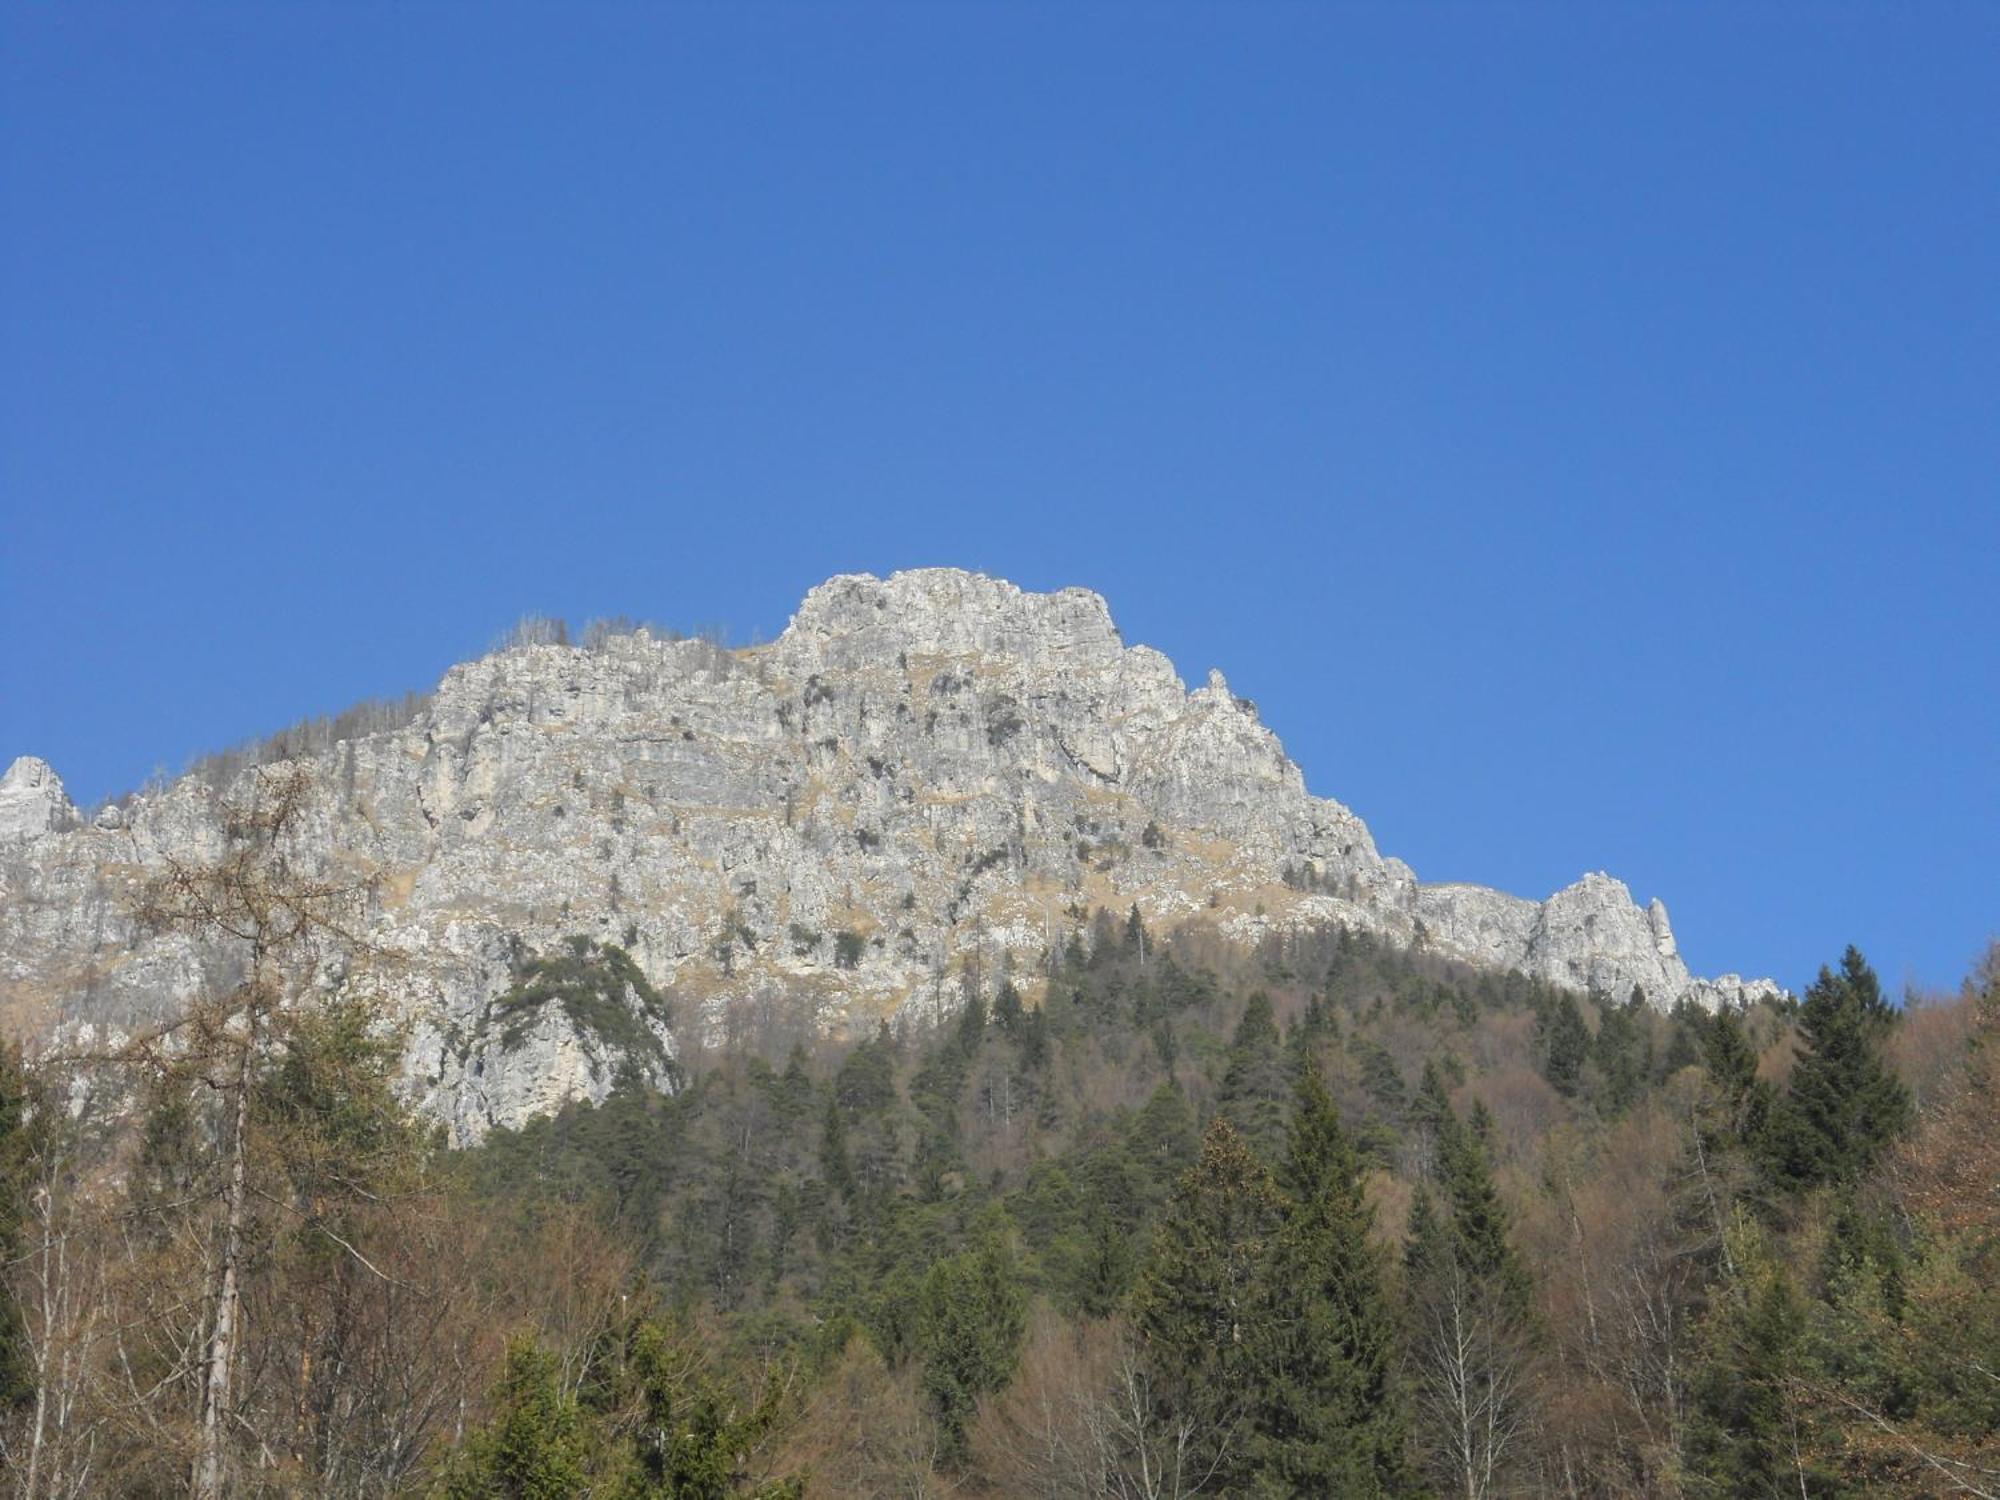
[918, 770]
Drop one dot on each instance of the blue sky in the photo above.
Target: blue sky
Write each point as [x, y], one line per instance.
[1577, 426]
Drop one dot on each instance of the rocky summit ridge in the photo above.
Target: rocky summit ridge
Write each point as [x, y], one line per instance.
[921, 772]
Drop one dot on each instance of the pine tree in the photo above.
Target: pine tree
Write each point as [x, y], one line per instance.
[1740, 1441]
[1196, 1304]
[689, 1436]
[536, 1446]
[1101, 1265]
[972, 1312]
[1007, 1007]
[1477, 1219]
[1471, 1330]
[1845, 1103]
[1623, 1050]
[1565, 1044]
[1329, 1417]
[17, 1153]
[834, 1163]
[1164, 1140]
[1254, 1085]
[1743, 1099]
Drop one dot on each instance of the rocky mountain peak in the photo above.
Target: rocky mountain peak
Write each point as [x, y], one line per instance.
[923, 776]
[857, 621]
[32, 801]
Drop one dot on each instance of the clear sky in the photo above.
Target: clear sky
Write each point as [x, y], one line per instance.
[1578, 427]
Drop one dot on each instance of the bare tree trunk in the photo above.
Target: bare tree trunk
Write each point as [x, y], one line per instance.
[208, 1464]
[49, 1275]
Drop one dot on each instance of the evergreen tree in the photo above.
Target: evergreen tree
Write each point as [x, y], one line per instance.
[1431, 1113]
[1845, 1103]
[1565, 1044]
[1684, 1040]
[1254, 1085]
[1164, 1140]
[1329, 1418]
[689, 1436]
[866, 1081]
[18, 1148]
[834, 1163]
[1035, 1039]
[1007, 1008]
[793, 1093]
[1195, 1306]
[1380, 1077]
[972, 1312]
[1471, 1330]
[1135, 940]
[1100, 1265]
[1478, 1219]
[1743, 1099]
[1624, 1053]
[971, 1022]
[1741, 1444]
[536, 1446]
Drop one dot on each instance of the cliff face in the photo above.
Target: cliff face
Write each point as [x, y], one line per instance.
[920, 770]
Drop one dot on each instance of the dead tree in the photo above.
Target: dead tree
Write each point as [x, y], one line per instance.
[256, 904]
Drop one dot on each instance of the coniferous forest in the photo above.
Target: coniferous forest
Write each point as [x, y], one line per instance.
[1250, 751]
[1172, 1218]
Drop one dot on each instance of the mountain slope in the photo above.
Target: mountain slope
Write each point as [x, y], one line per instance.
[922, 772]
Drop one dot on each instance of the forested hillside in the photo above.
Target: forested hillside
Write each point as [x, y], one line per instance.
[1329, 1217]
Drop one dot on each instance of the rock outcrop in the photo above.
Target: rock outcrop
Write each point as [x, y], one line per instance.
[32, 801]
[920, 770]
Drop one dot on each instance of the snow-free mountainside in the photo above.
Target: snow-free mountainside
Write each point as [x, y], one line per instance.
[922, 772]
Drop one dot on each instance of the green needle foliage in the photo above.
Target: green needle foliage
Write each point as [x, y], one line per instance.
[1845, 1103]
[1255, 1088]
[972, 1312]
[19, 1122]
[535, 1448]
[1196, 1304]
[1330, 1417]
[1742, 1438]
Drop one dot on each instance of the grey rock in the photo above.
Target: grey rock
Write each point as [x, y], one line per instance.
[922, 772]
[33, 802]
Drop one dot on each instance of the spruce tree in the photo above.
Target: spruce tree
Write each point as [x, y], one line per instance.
[835, 1165]
[1329, 1417]
[971, 1023]
[1196, 1304]
[689, 1435]
[1565, 1044]
[1007, 1007]
[1845, 1103]
[18, 1145]
[1743, 1099]
[536, 1446]
[1254, 1085]
[1478, 1219]
[1100, 1265]
[1164, 1140]
[1134, 942]
[1471, 1327]
[1431, 1112]
[971, 1314]
[1740, 1438]
[1623, 1050]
